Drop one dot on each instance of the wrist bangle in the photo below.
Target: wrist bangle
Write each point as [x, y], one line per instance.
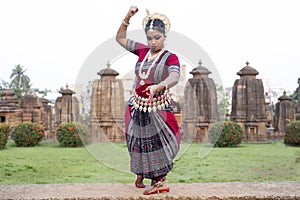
[125, 23]
[164, 83]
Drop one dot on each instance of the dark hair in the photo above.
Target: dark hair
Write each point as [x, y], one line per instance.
[157, 25]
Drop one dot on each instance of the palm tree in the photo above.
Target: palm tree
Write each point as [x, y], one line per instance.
[20, 81]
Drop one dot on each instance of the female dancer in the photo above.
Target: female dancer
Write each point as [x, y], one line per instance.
[152, 132]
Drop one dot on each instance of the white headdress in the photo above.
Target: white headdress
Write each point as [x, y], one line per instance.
[153, 16]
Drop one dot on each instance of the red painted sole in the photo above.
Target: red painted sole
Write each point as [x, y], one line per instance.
[157, 191]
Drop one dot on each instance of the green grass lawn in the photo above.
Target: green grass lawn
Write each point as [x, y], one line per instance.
[109, 162]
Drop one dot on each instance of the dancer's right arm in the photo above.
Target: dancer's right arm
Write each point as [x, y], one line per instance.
[121, 34]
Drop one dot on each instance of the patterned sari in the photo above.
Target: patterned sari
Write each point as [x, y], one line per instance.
[152, 135]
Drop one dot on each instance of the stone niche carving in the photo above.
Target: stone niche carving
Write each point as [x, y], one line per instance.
[249, 105]
[107, 107]
[200, 105]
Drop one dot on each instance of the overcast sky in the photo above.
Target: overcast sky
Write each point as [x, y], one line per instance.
[52, 39]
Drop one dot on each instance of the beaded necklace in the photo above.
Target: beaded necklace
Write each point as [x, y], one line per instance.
[144, 75]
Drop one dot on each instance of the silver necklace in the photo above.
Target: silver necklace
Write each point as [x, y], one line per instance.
[145, 75]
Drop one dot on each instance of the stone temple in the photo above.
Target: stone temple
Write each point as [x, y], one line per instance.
[248, 104]
[298, 105]
[9, 104]
[30, 109]
[284, 113]
[196, 110]
[200, 105]
[107, 107]
[66, 106]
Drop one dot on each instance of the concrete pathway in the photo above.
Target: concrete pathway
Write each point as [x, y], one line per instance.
[117, 191]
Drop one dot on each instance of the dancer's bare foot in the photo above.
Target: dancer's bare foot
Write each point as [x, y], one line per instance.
[139, 181]
[158, 187]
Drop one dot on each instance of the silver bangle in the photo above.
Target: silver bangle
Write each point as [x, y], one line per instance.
[164, 83]
[125, 23]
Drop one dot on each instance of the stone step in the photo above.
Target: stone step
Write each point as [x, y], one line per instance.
[118, 191]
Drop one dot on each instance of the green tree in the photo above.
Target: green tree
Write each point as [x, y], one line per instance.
[294, 96]
[19, 81]
[223, 101]
[43, 92]
[3, 85]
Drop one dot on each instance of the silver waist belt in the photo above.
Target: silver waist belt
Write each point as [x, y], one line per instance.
[158, 102]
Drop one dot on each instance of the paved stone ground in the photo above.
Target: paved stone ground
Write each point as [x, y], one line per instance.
[117, 191]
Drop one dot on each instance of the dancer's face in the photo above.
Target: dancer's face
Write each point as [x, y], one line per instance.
[155, 40]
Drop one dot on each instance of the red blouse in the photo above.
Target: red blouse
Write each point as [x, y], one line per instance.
[169, 61]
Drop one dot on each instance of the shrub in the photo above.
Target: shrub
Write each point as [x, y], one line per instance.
[226, 134]
[4, 133]
[292, 133]
[28, 134]
[72, 134]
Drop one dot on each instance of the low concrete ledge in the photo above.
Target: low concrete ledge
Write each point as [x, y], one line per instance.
[117, 191]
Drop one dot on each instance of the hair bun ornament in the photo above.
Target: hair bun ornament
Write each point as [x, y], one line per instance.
[153, 16]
